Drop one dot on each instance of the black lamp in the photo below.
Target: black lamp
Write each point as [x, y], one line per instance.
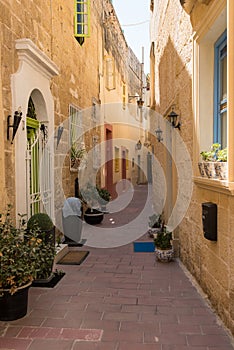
[173, 119]
[139, 145]
[158, 133]
[44, 130]
[140, 103]
[15, 125]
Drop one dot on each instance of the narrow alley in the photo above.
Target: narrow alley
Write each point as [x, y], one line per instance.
[118, 299]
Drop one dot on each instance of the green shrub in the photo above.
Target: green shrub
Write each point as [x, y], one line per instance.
[163, 239]
[40, 220]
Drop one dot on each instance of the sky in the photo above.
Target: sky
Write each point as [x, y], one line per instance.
[131, 15]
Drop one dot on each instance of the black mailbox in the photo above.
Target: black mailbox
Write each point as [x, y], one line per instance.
[209, 220]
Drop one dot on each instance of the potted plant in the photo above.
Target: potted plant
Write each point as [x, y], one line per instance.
[207, 166]
[43, 225]
[77, 154]
[154, 223]
[221, 164]
[104, 197]
[163, 245]
[18, 264]
[43, 222]
[91, 198]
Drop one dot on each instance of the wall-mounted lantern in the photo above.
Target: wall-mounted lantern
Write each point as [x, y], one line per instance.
[140, 102]
[15, 125]
[173, 119]
[158, 133]
[138, 145]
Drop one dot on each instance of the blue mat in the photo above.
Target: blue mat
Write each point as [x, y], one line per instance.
[144, 247]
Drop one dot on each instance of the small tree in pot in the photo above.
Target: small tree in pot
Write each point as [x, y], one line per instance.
[43, 225]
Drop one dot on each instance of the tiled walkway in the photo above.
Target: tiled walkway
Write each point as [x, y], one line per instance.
[117, 300]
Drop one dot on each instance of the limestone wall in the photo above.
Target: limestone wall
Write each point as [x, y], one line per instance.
[211, 263]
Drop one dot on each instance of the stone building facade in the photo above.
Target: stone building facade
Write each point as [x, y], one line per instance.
[192, 73]
[57, 82]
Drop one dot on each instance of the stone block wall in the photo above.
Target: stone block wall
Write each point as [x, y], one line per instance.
[211, 263]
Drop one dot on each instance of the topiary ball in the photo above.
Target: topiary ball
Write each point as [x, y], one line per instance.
[40, 220]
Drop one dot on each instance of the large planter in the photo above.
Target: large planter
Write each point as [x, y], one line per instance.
[93, 217]
[201, 169]
[13, 307]
[210, 170]
[221, 170]
[164, 255]
[213, 170]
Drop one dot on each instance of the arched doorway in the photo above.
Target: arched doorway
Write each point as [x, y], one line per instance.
[38, 159]
[33, 80]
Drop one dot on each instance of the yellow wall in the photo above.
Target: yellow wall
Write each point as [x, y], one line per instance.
[180, 42]
[81, 78]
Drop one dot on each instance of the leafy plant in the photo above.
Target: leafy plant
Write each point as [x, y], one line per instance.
[104, 194]
[43, 225]
[77, 152]
[211, 156]
[40, 220]
[89, 194]
[21, 254]
[163, 239]
[222, 155]
[155, 221]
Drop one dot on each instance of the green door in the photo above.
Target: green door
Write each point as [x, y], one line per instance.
[33, 162]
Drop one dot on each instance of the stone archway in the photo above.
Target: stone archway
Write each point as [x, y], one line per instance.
[33, 80]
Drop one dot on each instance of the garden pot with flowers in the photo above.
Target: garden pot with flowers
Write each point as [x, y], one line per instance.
[163, 245]
[221, 164]
[19, 265]
[214, 163]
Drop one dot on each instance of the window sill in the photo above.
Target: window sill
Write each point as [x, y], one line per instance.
[220, 186]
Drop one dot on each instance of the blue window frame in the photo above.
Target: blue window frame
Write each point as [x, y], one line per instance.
[220, 91]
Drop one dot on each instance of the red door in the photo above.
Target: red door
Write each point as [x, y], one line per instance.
[124, 164]
[109, 160]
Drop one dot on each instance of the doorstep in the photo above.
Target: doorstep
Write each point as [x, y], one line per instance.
[60, 252]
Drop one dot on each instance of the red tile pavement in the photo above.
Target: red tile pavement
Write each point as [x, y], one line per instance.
[117, 300]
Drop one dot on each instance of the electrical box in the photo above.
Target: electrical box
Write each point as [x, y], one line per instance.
[209, 220]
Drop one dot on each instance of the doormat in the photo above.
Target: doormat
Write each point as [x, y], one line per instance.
[51, 282]
[143, 247]
[74, 258]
